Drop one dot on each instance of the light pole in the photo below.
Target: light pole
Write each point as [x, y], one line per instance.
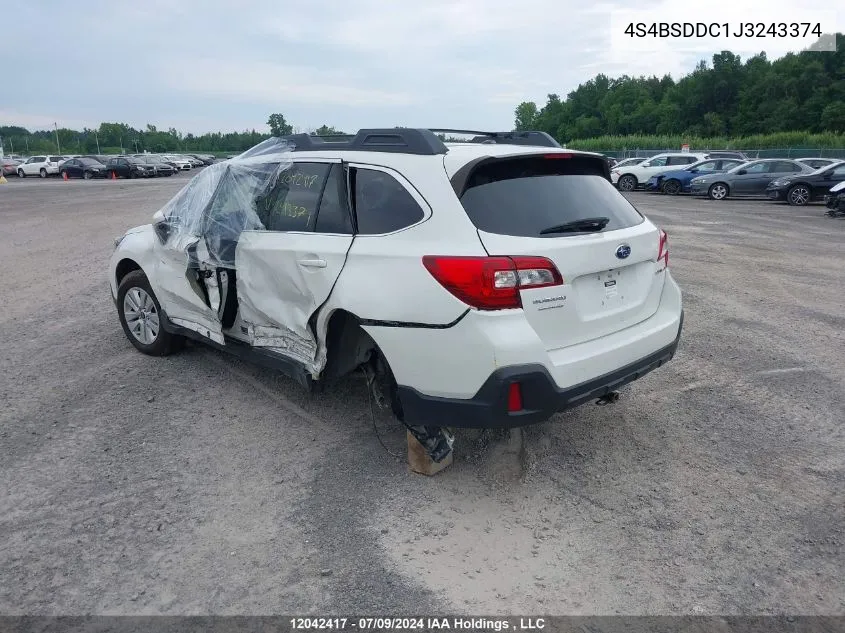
[55, 125]
[97, 136]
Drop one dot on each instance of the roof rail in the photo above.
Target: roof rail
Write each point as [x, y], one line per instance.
[525, 137]
[398, 140]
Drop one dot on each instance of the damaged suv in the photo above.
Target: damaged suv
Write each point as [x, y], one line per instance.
[482, 284]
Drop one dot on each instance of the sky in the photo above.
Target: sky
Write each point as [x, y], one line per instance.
[212, 65]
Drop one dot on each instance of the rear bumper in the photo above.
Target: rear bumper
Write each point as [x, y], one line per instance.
[775, 194]
[541, 397]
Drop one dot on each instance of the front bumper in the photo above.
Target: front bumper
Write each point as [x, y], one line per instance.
[540, 395]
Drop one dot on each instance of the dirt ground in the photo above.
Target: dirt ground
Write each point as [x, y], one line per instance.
[196, 484]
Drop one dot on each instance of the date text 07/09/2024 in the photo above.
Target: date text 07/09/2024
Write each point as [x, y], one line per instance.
[417, 623]
[723, 29]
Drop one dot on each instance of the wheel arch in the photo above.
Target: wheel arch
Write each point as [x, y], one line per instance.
[123, 268]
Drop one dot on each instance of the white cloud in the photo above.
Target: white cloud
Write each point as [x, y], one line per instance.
[351, 63]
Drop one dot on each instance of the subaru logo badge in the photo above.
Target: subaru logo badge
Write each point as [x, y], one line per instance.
[622, 251]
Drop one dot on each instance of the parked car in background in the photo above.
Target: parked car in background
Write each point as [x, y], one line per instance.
[130, 167]
[740, 156]
[195, 162]
[182, 163]
[802, 188]
[40, 166]
[86, 168]
[835, 200]
[747, 179]
[100, 158]
[678, 181]
[818, 163]
[632, 176]
[161, 168]
[206, 159]
[9, 166]
[629, 161]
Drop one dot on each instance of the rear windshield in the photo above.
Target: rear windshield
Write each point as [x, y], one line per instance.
[524, 196]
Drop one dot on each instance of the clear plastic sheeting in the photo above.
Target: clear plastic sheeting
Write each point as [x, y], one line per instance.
[221, 202]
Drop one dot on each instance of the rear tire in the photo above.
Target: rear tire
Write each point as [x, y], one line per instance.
[21, 174]
[42, 172]
[672, 187]
[718, 191]
[141, 317]
[627, 183]
[88, 175]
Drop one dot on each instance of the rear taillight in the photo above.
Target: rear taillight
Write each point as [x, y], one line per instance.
[663, 250]
[514, 397]
[491, 283]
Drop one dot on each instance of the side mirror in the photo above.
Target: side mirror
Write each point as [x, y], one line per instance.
[645, 165]
[741, 172]
[694, 171]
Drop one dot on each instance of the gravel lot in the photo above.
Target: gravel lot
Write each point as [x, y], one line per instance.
[198, 484]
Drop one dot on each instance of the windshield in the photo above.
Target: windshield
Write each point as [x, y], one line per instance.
[524, 196]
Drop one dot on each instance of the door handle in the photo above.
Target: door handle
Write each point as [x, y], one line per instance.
[313, 263]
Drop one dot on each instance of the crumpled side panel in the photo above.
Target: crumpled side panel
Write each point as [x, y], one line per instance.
[220, 202]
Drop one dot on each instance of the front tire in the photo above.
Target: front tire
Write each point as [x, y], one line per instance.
[718, 191]
[627, 183]
[798, 196]
[88, 175]
[141, 317]
[672, 187]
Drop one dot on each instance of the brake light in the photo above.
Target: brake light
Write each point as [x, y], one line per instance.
[663, 249]
[514, 397]
[491, 283]
[559, 155]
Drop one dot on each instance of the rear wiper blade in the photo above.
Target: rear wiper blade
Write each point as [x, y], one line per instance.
[585, 224]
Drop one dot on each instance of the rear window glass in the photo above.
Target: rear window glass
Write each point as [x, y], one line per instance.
[522, 197]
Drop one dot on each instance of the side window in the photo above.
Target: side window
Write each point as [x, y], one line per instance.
[38, 159]
[333, 216]
[709, 166]
[382, 204]
[292, 202]
[757, 168]
[657, 162]
[785, 166]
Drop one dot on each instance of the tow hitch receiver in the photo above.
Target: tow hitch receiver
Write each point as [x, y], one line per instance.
[609, 398]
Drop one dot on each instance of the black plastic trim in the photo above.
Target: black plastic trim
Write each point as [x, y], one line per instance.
[540, 395]
[430, 326]
[391, 140]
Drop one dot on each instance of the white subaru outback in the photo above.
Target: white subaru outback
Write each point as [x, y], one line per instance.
[482, 284]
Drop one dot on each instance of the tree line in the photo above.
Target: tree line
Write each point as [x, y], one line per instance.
[727, 98]
[113, 138]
